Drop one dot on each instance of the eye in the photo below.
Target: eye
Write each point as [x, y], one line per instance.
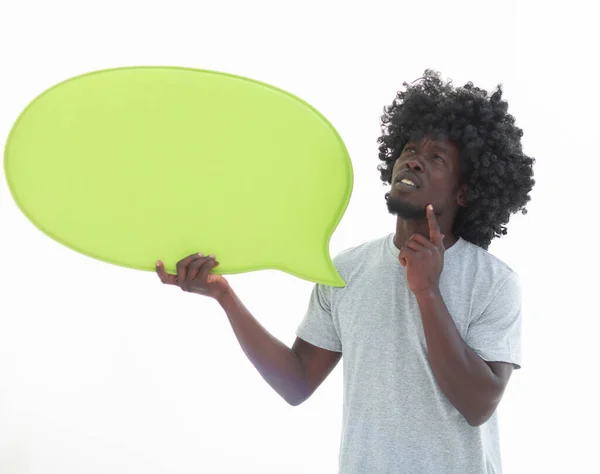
[438, 157]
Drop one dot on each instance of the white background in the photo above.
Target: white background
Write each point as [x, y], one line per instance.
[104, 370]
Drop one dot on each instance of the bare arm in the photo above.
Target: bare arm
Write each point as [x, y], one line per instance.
[474, 386]
[293, 373]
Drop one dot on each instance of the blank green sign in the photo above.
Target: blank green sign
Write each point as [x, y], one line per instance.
[134, 165]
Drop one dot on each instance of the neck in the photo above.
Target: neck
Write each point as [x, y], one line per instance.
[406, 228]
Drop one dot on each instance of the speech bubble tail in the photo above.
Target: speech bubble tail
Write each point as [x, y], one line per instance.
[334, 280]
[322, 272]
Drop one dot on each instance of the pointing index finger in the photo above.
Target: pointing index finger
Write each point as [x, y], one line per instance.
[435, 235]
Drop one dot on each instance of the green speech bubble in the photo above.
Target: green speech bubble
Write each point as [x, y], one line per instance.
[137, 164]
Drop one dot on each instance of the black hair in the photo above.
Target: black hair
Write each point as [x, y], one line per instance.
[499, 176]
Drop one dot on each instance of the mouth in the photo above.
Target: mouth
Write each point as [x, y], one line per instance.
[402, 186]
[407, 180]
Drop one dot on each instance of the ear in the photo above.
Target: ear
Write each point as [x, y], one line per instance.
[461, 196]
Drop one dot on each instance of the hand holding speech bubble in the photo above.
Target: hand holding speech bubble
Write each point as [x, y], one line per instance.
[137, 164]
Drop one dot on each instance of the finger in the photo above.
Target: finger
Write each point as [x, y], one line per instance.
[416, 246]
[434, 228]
[206, 268]
[182, 267]
[163, 275]
[195, 268]
[421, 239]
[405, 254]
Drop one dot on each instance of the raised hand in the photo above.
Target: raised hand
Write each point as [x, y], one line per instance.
[424, 257]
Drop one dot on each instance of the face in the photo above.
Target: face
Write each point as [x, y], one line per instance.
[431, 171]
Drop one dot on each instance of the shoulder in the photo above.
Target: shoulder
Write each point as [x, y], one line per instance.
[354, 259]
[487, 270]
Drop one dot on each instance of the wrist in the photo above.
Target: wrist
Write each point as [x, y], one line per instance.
[225, 297]
[428, 293]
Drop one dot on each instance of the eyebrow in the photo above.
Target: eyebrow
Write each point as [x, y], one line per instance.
[436, 147]
[441, 148]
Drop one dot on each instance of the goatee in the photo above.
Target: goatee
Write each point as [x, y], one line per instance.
[403, 209]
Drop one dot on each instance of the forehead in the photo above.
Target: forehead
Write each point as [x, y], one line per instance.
[439, 144]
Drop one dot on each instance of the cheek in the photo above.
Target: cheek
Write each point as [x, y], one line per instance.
[442, 188]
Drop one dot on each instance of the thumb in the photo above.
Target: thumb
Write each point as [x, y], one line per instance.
[163, 275]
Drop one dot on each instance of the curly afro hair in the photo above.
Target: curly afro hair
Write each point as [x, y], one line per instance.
[498, 175]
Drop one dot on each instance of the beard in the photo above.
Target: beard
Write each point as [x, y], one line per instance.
[405, 210]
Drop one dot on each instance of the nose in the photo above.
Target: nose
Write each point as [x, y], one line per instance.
[415, 165]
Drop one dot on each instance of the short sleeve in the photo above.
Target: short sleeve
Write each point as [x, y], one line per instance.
[318, 328]
[496, 335]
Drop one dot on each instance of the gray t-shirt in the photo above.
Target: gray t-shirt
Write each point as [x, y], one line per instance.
[396, 419]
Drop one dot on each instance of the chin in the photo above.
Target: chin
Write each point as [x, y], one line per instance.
[405, 209]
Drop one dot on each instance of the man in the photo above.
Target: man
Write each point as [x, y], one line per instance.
[429, 322]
